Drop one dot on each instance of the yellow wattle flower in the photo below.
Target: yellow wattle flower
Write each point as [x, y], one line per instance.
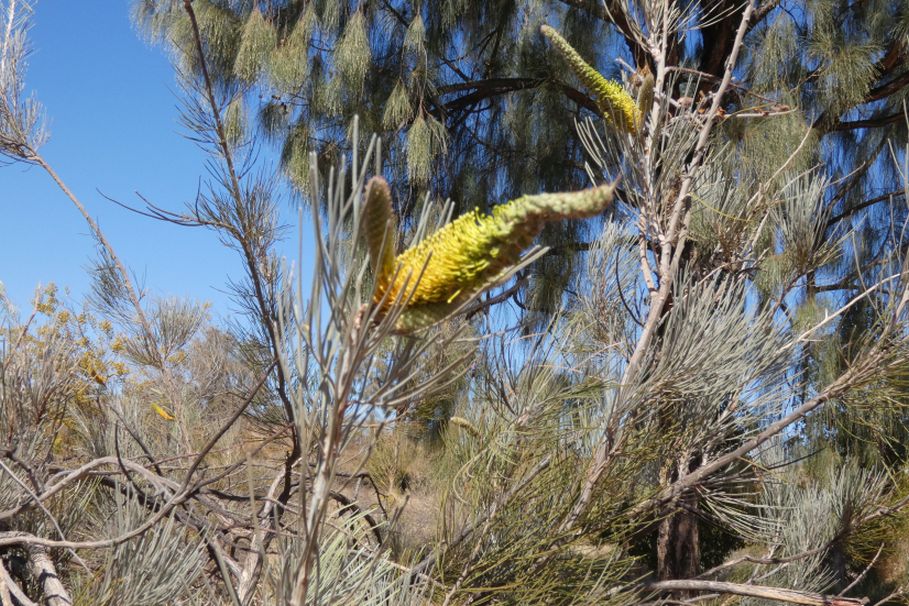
[472, 252]
[613, 100]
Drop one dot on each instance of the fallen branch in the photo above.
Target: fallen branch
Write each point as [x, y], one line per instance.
[45, 573]
[780, 594]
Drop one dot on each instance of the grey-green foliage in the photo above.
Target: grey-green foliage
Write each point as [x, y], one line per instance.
[258, 41]
[720, 209]
[352, 54]
[348, 572]
[425, 139]
[802, 516]
[399, 109]
[745, 331]
[219, 26]
[846, 56]
[612, 266]
[510, 482]
[158, 567]
[745, 347]
[801, 221]
[235, 121]
[22, 128]
[289, 63]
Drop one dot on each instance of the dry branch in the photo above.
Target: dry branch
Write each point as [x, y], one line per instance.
[780, 594]
[45, 573]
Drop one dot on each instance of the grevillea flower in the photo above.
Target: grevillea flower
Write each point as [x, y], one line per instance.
[613, 100]
[467, 256]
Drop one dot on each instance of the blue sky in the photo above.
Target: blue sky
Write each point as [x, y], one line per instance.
[112, 107]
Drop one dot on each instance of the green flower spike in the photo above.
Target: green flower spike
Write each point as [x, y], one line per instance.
[472, 253]
[380, 229]
[613, 100]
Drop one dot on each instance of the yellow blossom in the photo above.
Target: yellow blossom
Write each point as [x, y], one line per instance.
[471, 253]
[162, 412]
[613, 100]
[93, 367]
[46, 301]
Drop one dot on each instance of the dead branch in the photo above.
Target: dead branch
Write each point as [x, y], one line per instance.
[780, 594]
[44, 571]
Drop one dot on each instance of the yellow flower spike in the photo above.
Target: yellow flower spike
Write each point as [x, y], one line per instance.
[162, 412]
[380, 229]
[470, 254]
[613, 100]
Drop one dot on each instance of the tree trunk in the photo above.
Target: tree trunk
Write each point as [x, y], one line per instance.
[678, 539]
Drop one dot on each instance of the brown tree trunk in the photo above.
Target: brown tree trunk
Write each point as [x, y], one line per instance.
[678, 538]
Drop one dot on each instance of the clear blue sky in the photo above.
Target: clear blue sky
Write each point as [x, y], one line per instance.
[111, 103]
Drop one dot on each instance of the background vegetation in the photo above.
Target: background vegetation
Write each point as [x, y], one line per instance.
[699, 396]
